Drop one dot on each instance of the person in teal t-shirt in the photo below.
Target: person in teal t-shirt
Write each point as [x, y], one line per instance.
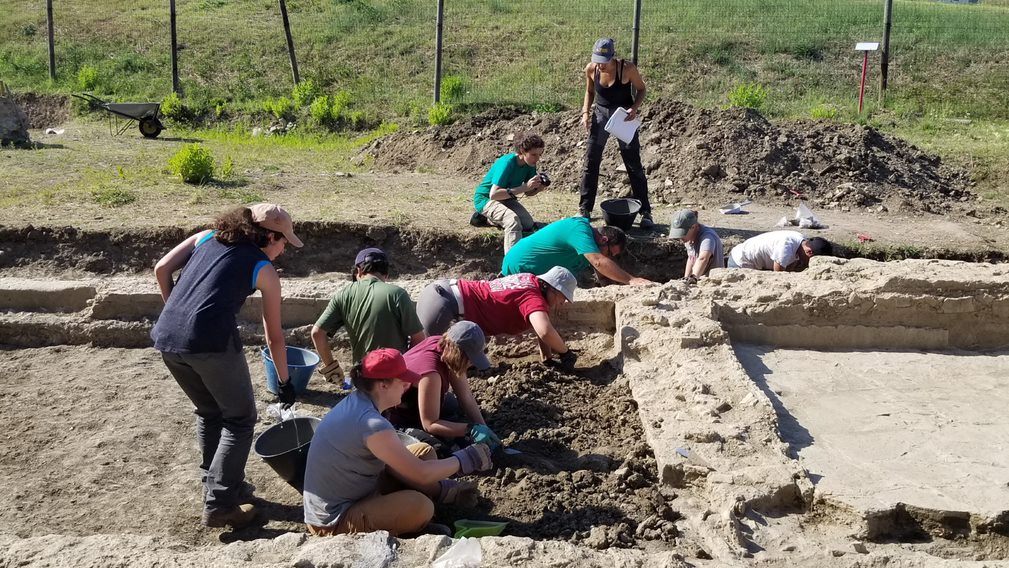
[574, 244]
[514, 174]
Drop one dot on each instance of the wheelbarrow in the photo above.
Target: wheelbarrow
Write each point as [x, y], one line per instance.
[147, 114]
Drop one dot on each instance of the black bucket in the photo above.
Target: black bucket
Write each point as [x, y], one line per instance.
[284, 447]
[620, 212]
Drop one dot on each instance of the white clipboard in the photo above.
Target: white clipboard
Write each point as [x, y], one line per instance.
[622, 129]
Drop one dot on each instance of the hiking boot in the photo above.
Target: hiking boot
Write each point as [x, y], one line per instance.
[478, 220]
[246, 492]
[238, 517]
[646, 221]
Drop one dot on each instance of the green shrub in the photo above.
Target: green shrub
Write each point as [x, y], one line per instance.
[173, 108]
[228, 169]
[453, 88]
[112, 196]
[823, 111]
[87, 78]
[193, 163]
[220, 107]
[304, 93]
[748, 95]
[279, 108]
[341, 100]
[439, 113]
[358, 120]
[319, 110]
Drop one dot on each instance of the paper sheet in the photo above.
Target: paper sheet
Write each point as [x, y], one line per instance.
[622, 129]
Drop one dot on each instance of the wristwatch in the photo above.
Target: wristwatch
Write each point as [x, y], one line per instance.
[510, 192]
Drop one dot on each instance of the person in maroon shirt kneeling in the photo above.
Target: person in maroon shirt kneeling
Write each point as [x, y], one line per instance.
[430, 409]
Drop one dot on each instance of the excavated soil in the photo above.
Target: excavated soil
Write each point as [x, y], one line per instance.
[94, 429]
[694, 155]
[585, 473]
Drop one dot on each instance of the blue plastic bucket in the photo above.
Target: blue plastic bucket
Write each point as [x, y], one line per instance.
[301, 363]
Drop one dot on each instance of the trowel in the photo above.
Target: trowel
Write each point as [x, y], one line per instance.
[734, 208]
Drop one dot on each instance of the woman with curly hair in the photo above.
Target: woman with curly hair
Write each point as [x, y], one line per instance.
[197, 336]
[514, 174]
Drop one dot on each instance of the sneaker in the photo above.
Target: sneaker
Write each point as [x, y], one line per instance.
[478, 220]
[646, 221]
[239, 517]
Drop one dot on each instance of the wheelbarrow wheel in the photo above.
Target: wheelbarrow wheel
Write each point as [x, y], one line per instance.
[150, 127]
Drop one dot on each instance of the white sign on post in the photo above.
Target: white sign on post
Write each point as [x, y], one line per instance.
[866, 46]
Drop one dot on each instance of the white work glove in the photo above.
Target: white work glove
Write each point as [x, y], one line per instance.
[332, 372]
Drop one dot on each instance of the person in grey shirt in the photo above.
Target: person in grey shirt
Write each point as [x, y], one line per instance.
[704, 246]
[361, 478]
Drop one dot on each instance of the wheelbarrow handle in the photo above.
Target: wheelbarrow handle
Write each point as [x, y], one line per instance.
[92, 100]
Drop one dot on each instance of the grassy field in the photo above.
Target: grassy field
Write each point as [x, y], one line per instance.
[949, 67]
[947, 60]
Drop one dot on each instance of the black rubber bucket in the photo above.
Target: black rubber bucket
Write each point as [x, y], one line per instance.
[620, 212]
[284, 447]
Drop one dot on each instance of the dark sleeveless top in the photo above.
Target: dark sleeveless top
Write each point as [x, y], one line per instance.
[617, 94]
[200, 315]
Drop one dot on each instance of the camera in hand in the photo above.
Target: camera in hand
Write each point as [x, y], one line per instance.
[545, 179]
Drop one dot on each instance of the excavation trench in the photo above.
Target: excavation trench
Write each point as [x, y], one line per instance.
[694, 423]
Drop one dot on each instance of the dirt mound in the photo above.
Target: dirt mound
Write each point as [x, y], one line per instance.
[694, 155]
[44, 110]
[585, 473]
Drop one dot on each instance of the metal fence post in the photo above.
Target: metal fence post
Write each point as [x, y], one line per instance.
[439, 24]
[290, 42]
[637, 29]
[52, 45]
[175, 50]
[884, 63]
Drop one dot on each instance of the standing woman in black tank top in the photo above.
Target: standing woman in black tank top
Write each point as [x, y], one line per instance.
[612, 83]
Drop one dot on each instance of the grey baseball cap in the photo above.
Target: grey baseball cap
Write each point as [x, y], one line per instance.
[561, 279]
[603, 51]
[681, 223]
[470, 338]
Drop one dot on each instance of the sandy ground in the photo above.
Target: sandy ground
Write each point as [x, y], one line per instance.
[873, 428]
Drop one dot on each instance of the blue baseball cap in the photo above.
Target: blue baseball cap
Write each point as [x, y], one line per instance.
[374, 253]
[603, 51]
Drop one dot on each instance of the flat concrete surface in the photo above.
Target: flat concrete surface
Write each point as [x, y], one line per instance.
[876, 428]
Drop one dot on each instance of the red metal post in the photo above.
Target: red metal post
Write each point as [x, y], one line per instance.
[861, 87]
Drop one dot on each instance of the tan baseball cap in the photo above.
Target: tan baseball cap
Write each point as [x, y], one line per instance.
[273, 217]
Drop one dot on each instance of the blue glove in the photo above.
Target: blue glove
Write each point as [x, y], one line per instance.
[482, 434]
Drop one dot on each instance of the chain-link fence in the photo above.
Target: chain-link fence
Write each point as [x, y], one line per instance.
[945, 58]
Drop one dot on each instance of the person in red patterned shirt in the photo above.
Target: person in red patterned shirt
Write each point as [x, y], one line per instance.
[510, 305]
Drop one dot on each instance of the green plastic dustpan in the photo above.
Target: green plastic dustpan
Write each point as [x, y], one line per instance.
[465, 528]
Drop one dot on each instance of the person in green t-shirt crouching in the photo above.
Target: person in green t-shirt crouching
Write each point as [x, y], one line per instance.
[514, 174]
[376, 314]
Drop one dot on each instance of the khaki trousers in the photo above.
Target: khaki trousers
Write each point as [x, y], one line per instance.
[511, 216]
[390, 508]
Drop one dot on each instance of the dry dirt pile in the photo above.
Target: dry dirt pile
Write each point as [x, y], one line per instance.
[585, 473]
[694, 155]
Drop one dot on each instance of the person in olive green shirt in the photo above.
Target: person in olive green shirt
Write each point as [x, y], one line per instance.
[514, 174]
[376, 314]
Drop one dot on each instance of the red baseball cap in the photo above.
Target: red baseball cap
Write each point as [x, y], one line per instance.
[387, 364]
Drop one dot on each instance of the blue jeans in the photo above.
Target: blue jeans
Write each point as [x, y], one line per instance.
[219, 386]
